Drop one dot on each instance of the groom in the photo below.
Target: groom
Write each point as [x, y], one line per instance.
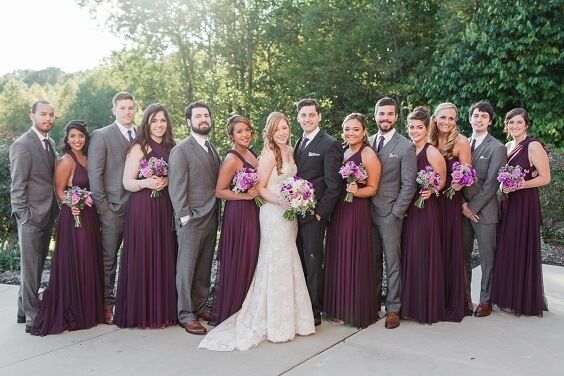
[318, 157]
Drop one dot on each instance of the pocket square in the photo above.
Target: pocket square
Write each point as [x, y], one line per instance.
[482, 157]
[312, 154]
[392, 155]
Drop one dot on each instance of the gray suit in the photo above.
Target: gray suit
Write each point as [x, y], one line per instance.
[34, 204]
[395, 191]
[192, 177]
[481, 197]
[106, 161]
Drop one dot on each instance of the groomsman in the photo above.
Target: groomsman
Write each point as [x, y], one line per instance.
[34, 204]
[106, 160]
[318, 157]
[395, 191]
[481, 208]
[192, 176]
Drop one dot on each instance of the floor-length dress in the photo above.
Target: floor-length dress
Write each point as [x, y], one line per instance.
[146, 294]
[237, 254]
[277, 305]
[422, 284]
[350, 287]
[450, 221]
[74, 298]
[517, 278]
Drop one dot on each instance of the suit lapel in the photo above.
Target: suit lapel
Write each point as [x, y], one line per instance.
[41, 149]
[119, 136]
[386, 150]
[201, 154]
[303, 154]
[480, 149]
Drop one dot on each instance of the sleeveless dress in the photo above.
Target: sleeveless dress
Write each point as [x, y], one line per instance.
[146, 294]
[350, 286]
[517, 278]
[74, 298]
[277, 305]
[237, 254]
[450, 222]
[422, 283]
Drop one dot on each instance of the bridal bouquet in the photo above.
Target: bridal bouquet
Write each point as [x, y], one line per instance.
[245, 179]
[511, 177]
[77, 197]
[352, 173]
[153, 167]
[300, 194]
[462, 174]
[427, 179]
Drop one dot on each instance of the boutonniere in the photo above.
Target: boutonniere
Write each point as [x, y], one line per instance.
[312, 154]
[392, 155]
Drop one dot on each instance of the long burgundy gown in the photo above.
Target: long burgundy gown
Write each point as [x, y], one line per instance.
[74, 298]
[517, 278]
[350, 287]
[237, 254]
[146, 294]
[450, 222]
[422, 283]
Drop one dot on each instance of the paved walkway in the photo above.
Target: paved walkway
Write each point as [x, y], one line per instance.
[501, 344]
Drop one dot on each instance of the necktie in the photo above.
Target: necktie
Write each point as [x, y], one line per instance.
[130, 135]
[210, 151]
[380, 143]
[473, 146]
[47, 148]
[304, 144]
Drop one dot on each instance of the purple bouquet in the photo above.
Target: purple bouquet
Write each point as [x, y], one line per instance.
[353, 173]
[300, 195]
[462, 174]
[511, 177]
[427, 179]
[77, 197]
[153, 167]
[245, 179]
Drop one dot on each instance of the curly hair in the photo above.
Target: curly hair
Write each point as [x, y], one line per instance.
[434, 130]
[272, 121]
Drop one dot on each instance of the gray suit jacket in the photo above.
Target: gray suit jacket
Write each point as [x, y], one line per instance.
[397, 181]
[32, 190]
[192, 176]
[481, 196]
[106, 161]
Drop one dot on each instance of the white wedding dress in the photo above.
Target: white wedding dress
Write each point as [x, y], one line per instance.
[277, 305]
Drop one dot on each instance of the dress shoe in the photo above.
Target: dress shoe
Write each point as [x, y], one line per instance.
[108, 316]
[317, 319]
[194, 327]
[21, 319]
[483, 310]
[205, 315]
[392, 320]
[28, 329]
[468, 312]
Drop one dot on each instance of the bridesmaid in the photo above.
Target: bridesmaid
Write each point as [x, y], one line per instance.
[422, 275]
[444, 135]
[74, 298]
[517, 279]
[350, 286]
[146, 294]
[240, 231]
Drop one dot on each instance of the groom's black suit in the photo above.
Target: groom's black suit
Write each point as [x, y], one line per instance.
[318, 163]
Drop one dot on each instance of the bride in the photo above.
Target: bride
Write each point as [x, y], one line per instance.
[277, 305]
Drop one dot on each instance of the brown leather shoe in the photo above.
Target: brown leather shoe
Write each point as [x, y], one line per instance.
[204, 315]
[194, 327]
[483, 310]
[392, 320]
[108, 316]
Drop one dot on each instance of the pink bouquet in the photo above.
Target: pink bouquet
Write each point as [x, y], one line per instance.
[300, 194]
[511, 177]
[353, 173]
[463, 175]
[77, 197]
[427, 179]
[153, 167]
[245, 179]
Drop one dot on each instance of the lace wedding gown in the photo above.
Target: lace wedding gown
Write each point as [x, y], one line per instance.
[277, 305]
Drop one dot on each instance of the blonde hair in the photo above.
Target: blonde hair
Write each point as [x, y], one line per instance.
[434, 130]
[272, 121]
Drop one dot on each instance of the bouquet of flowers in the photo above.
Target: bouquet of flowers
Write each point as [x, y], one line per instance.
[77, 197]
[511, 177]
[300, 195]
[245, 179]
[462, 174]
[153, 167]
[427, 179]
[352, 173]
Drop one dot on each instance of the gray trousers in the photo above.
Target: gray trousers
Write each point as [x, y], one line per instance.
[193, 268]
[387, 241]
[111, 226]
[486, 236]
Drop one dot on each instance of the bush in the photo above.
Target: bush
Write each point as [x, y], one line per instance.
[552, 201]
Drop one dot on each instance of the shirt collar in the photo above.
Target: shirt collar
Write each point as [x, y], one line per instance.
[123, 129]
[387, 136]
[312, 135]
[41, 137]
[478, 139]
[200, 139]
